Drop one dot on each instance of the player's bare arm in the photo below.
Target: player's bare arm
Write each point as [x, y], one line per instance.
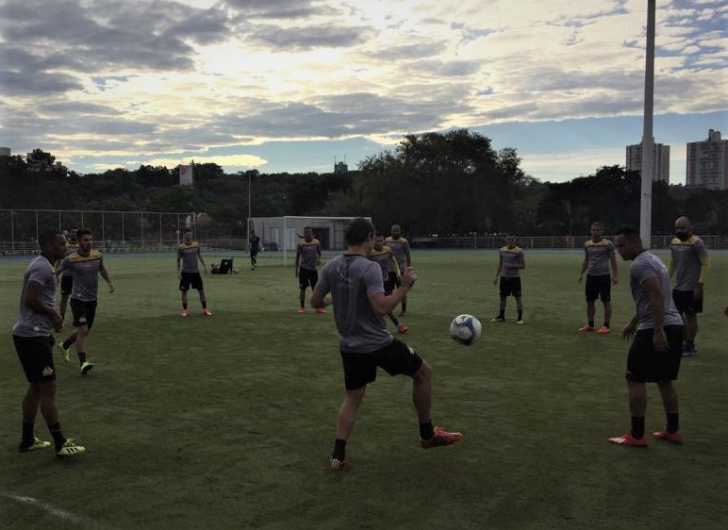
[105, 275]
[320, 300]
[382, 304]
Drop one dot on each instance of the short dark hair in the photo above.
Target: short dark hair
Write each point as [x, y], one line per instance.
[358, 231]
[47, 237]
[83, 232]
[599, 224]
[627, 231]
[187, 230]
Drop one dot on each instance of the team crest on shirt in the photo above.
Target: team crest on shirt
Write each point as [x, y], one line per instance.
[47, 371]
[82, 320]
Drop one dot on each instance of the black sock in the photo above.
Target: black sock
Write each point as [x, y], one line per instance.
[427, 431]
[395, 320]
[673, 422]
[58, 438]
[204, 305]
[591, 323]
[184, 305]
[28, 437]
[502, 313]
[690, 343]
[520, 314]
[339, 450]
[606, 325]
[302, 303]
[67, 344]
[638, 426]
[81, 357]
[404, 307]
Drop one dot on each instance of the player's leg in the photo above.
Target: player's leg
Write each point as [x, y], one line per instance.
[590, 312]
[63, 305]
[302, 284]
[518, 295]
[184, 287]
[691, 330]
[82, 332]
[670, 402]
[640, 368]
[591, 296]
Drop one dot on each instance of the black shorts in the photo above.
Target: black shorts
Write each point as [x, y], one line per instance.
[66, 284]
[598, 287]
[685, 302]
[644, 364]
[253, 253]
[360, 369]
[390, 283]
[307, 278]
[84, 313]
[510, 286]
[36, 358]
[188, 279]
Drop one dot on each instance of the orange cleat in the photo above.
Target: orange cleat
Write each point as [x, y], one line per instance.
[441, 438]
[320, 311]
[301, 310]
[586, 328]
[604, 330]
[185, 313]
[402, 328]
[673, 437]
[336, 465]
[206, 312]
[628, 439]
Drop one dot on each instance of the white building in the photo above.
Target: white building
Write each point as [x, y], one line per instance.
[707, 162]
[660, 161]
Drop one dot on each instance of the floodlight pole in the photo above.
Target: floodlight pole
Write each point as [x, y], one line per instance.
[247, 228]
[648, 140]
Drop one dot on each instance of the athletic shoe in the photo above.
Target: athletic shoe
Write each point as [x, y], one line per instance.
[320, 310]
[336, 465]
[628, 439]
[65, 352]
[604, 330]
[586, 328]
[185, 313]
[86, 367]
[674, 437]
[519, 322]
[687, 352]
[207, 312]
[402, 328]
[498, 319]
[37, 444]
[70, 448]
[403, 313]
[301, 310]
[441, 438]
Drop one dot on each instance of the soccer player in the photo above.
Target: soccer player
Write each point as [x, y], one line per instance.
[357, 294]
[400, 248]
[308, 257]
[598, 256]
[84, 266]
[689, 263]
[188, 272]
[67, 279]
[510, 263]
[655, 353]
[254, 248]
[382, 255]
[33, 339]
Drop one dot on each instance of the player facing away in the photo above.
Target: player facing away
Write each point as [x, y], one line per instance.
[67, 279]
[599, 257]
[689, 263]
[253, 248]
[32, 335]
[84, 266]
[188, 272]
[654, 356]
[357, 293]
[511, 261]
[308, 257]
[400, 249]
[382, 255]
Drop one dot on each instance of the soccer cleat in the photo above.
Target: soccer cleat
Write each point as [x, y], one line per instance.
[185, 313]
[586, 328]
[206, 312]
[604, 330]
[628, 439]
[70, 448]
[441, 438]
[519, 322]
[320, 310]
[673, 437]
[687, 352]
[498, 319]
[65, 352]
[336, 465]
[402, 328]
[301, 309]
[37, 444]
[86, 367]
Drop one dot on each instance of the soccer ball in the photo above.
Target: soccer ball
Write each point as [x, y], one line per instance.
[235, 270]
[465, 329]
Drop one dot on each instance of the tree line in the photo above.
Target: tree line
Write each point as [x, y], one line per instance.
[430, 183]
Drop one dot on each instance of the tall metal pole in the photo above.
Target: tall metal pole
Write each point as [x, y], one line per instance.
[648, 141]
[247, 229]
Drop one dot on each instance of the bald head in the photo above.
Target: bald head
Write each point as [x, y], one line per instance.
[683, 228]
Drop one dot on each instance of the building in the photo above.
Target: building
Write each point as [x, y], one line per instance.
[341, 168]
[707, 163]
[660, 161]
[5, 151]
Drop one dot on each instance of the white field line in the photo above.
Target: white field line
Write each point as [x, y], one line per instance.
[65, 515]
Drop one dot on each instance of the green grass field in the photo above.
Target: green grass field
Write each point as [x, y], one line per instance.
[228, 422]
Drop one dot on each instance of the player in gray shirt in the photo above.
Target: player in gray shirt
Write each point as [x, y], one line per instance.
[655, 353]
[599, 256]
[32, 335]
[359, 302]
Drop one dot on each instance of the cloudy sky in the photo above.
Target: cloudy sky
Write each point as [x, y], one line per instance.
[291, 85]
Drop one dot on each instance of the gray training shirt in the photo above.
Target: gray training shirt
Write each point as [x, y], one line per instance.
[85, 273]
[352, 279]
[645, 266]
[30, 323]
[599, 255]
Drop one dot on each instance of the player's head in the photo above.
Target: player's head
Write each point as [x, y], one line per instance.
[627, 242]
[511, 240]
[52, 244]
[308, 233]
[378, 241]
[396, 231]
[73, 233]
[683, 228]
[597, 231]
[85, 239]
[188, 235]
[358, 232]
